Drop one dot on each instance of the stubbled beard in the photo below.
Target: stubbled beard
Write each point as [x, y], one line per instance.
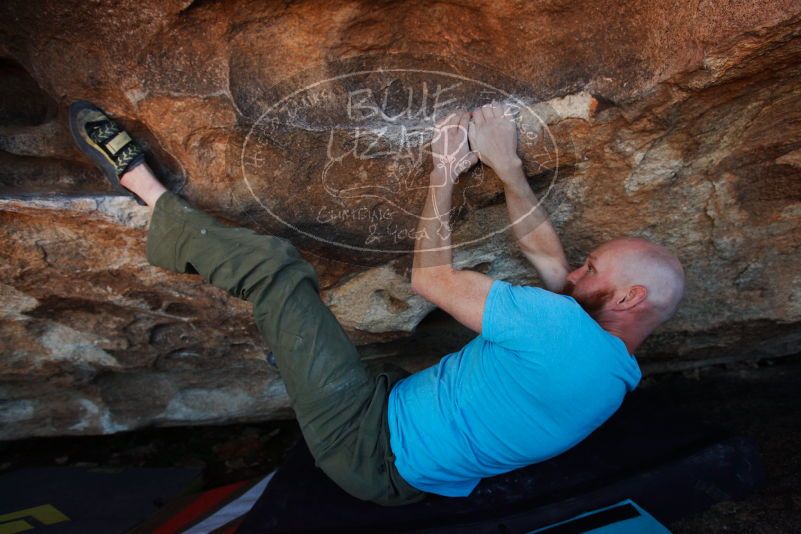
[591, 303]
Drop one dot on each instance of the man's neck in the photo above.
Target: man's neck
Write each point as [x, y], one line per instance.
[632, 334]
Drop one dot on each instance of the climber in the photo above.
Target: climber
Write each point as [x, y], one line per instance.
[550, 365]
[545, 370]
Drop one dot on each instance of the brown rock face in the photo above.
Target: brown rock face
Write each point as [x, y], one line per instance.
[678, 122]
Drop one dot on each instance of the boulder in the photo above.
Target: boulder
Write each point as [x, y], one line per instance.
[678, 122]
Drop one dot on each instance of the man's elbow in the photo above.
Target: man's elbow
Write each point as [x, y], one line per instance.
[427, 279]
[417, 284]
[421, 284]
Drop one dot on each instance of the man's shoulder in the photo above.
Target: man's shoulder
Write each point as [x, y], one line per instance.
[534, 294]
[518, 315]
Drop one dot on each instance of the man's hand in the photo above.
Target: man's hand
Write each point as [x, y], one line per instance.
[493, 134]
[450, 149]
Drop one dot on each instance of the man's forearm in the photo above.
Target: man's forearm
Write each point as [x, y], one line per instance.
[462, 294]
[531, 226]
[432, 248]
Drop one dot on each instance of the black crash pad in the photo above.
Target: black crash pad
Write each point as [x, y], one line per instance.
[87, 500]
[667, 461]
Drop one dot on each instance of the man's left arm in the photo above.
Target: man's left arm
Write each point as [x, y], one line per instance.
[462, 294]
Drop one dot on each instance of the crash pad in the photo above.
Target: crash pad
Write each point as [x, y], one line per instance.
[669, 462]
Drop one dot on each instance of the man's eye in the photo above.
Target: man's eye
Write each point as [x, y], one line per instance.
[590, 269]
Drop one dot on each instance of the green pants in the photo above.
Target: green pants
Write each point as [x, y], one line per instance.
[340, 404]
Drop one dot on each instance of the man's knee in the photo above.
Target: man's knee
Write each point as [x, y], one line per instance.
[276, 267]
[289, 259]
[282, 298]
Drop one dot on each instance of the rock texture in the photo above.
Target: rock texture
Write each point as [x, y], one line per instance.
[680, 122]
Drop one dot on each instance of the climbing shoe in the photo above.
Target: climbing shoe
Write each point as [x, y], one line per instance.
[106, 143]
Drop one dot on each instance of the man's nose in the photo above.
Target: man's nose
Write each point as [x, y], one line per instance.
[573, 275]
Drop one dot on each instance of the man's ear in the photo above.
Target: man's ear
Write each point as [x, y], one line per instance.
[631, 298]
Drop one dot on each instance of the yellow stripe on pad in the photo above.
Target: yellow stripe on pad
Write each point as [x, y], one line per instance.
[119, 141]
[47, 514]
[15, 526]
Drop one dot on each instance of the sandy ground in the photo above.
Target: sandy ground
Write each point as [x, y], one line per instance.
[759, 400]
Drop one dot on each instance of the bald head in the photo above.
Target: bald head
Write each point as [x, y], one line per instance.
[637, 261]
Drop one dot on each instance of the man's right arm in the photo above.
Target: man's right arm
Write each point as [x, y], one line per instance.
[493, 134]
[533, 230]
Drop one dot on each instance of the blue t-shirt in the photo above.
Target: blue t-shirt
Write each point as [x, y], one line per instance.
[540, 378]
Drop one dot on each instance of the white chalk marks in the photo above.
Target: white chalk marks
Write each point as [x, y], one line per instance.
[359, 145]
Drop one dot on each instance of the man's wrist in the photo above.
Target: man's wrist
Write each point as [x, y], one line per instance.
[511, 172]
